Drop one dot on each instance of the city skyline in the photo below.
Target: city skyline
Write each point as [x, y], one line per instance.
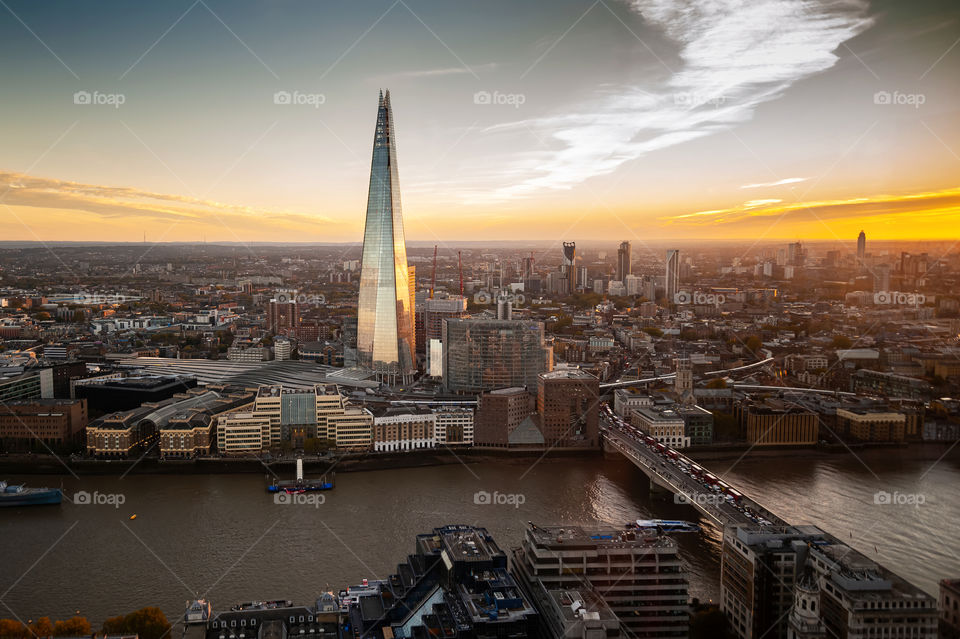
[229, 134]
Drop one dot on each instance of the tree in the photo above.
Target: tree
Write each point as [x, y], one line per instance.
[42, 627]
[718, 382]
[841, 341]
[73, 627]
[149, 623]
[753, 343]
[13, 628]
[653, 331]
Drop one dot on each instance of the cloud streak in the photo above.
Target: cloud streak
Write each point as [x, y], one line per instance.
[735, 56]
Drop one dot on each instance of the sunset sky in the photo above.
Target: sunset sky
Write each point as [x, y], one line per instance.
[567, 119]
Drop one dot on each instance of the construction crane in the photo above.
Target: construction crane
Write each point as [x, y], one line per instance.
[433, 281]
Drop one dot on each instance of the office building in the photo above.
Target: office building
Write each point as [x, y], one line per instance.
[385, 311]
[283, 313]
[871, 426]
[568, 404]
[766, 570]
[568, 268]
[454, 426]
[402, 429]
[663, 424]
[778, 424]
[638, 575]
[861, 248]
[432, 312]
[949, 608]
[506, 417]
[41, 425]
[624, 265]
[35, 383]
[117, 393]
[672, 276]
[481, 355]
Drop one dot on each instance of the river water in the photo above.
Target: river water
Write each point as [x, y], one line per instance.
[223, 537]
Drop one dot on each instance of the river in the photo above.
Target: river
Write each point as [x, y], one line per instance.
[223, 537]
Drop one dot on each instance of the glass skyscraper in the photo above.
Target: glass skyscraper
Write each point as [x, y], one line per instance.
[385, 332]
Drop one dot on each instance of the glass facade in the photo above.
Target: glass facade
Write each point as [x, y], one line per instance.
[481, 355]
[385, 337]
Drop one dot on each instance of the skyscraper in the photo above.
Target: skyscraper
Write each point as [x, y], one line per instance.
[569, 266]
[861, 248]
[672, 280]
[385, 337]
[623, 261]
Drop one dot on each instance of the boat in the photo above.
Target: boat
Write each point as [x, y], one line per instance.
[667, 525]
[21, 495]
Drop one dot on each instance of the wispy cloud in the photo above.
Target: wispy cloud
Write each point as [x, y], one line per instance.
[19, 189]
[760, 185]
[735, 56]
[444, 71]
[929, 207]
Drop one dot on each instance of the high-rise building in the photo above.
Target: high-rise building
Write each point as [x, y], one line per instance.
[672, 279]
[283, 313]
[861, 248]
[432, 312]
[624, 266]
[569, 266]
[639, 575]
[481, 355]
[568, 400]
[385, 323]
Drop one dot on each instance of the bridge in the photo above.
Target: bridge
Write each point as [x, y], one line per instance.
[648, 380]
[678, 476]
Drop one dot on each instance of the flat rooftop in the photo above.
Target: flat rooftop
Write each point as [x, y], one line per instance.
[599, 537]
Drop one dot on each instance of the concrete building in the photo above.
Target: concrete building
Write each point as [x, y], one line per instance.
[624, 262]
[404, 429]
[870, 426]
[482, 355]
[697, 424]
[766, 569]
[640, 577]
[627, 399]
[500, 413]
[672, 276]
[30, 384]
[779, 425]
[664, 424]
[248, 353]
[454, 426]
[283, 313]
[568, 403]
[949, 607]
[41, 425]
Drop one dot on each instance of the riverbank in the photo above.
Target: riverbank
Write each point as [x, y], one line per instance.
[313, 465]
[913, 450]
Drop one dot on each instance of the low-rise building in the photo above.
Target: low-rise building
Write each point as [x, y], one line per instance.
[42, 425]
[665, 425]
[869, 426]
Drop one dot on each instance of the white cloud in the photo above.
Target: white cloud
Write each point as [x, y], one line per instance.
[760, 185]
[736, 55]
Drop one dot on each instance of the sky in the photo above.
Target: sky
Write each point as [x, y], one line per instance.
[230, 120]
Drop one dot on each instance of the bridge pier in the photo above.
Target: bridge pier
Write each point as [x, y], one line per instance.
[660, 493]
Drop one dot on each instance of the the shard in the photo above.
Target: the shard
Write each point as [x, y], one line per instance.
[385, 331]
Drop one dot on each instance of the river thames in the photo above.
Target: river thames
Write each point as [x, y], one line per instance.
[224, 538]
